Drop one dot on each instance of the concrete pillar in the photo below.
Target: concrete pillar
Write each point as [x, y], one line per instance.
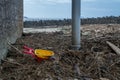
[11, 23]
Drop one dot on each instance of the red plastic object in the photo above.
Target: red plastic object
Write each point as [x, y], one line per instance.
[29, 51]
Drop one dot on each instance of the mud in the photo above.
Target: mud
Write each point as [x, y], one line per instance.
[94, 61]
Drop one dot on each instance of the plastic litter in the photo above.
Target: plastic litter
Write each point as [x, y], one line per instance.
[38, 54]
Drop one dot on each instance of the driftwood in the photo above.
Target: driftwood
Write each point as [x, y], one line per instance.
[115, 48]
[14, 48]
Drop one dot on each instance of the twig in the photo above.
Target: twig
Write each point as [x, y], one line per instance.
[98, 37]
[13, 62]
[93, 63]
[115, 63]
[14, 47]
[115, 48]
[77, 69]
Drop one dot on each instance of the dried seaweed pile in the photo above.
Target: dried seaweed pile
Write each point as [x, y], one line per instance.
[95, 61]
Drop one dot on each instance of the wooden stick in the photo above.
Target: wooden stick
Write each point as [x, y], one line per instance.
[115, 48]
[115, 63]
[14, 48]
[16, 63]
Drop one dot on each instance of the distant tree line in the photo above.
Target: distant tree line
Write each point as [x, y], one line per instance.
[98, 20]
[41, 23]
[101, 20]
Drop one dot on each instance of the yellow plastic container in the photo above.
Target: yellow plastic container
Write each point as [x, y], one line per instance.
[45, 54]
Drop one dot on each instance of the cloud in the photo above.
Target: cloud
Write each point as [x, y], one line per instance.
[59, 1]
[30, 2]
[68, 1]
[53, 1]
[46, 1]
[89, 0]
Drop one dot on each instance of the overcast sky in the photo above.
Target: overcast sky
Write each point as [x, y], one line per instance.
[62, 8]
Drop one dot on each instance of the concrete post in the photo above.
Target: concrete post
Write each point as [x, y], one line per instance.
[76, 24]
[11, 24]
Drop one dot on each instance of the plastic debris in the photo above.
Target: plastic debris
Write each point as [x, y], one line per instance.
[39, 54]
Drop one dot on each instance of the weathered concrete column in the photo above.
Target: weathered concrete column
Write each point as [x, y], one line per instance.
[76, 24]
[11, 23]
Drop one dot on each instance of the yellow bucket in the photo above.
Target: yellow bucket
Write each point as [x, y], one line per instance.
[43, 53]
